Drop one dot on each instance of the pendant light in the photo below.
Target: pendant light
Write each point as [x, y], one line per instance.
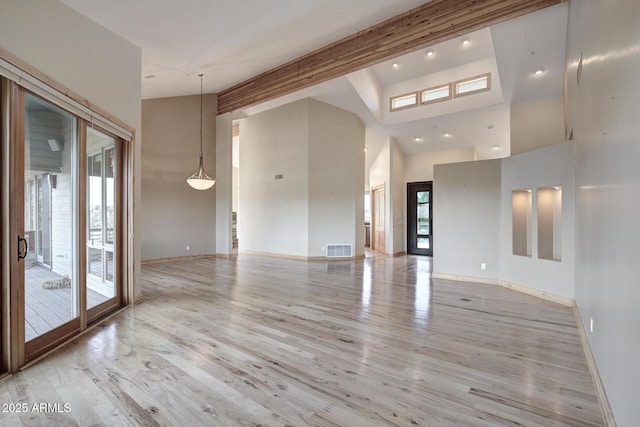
[200, 180]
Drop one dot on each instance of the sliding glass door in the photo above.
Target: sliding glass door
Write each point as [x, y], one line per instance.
[102, 221]
[66, 213]
[50, 196]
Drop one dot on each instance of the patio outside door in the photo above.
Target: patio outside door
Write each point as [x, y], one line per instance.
[67, 185]
[101, 218]
[48, 249]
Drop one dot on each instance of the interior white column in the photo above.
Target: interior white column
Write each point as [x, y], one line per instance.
[224, 171]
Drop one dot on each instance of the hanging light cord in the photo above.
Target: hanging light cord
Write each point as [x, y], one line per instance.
[200, 180]
[201, 116]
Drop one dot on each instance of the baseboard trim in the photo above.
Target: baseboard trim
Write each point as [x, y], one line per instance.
[603, 401]
[327, 259]
[457, 278]
[176, 258]
[303, 258]
[538, 293]
[605, 408]
[226, 256]
[505, 284]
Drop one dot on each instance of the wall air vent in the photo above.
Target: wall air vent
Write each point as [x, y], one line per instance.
[339, 251]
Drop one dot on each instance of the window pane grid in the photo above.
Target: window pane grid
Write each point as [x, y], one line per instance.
[442, 92]
[404, 101]
[436, 94]
[473, 85]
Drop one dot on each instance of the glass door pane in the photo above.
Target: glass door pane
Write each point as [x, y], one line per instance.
[423, 221]
[419, 213]
[50, 197]
[101, 217]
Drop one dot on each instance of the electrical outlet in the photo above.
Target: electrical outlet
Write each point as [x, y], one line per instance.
[483, 266]
[188, 248]
[591, 324]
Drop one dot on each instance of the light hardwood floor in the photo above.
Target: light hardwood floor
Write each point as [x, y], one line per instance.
[266, 341]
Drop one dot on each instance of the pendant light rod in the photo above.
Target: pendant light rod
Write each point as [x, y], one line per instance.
[200, 180]
[200, 75]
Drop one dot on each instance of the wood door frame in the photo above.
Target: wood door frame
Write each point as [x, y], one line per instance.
[4, 296]
[27, 351]
[412, 220]
[119, 254]
[11, 353]
[15, 351]
[16, 152]
[374, 210]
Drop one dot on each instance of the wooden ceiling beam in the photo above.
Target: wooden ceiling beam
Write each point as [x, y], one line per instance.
[423, 26]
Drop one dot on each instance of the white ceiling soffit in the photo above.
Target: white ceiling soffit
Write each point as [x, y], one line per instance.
[481, 120]
[228, 41]
[231, 41]
[482, 128]
[536, 41]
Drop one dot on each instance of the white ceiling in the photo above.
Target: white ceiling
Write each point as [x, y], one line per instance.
[232, 40]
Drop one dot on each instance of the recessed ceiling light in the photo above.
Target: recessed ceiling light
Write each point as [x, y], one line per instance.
[365, 149]
[446, 135]
[495, 147]
[429, 53]
[417, 139]
[395, 65]
[466, 42]
[539, 72]
[149, 76]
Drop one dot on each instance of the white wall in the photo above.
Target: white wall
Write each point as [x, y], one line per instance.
[336, 179]
[537, 124]
[399, 199]
[274, 214]
[88, 59]
[380, 174]
[174, 215]
[319, 151]
[380, 170]
[388, 169]
[466, 219]
[224, 184]
[374, 141]
[545, 167]
[419, 167]
[603, 111]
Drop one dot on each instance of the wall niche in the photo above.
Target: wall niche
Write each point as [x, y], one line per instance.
[550, 223]
[521, 201]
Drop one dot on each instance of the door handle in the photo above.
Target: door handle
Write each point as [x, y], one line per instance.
[22, 255]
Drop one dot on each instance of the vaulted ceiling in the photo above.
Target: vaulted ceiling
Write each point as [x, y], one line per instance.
[232, 41]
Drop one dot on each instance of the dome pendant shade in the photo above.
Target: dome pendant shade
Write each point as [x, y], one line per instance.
[200, 180]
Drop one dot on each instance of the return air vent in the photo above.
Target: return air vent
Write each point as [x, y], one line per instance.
[339, 251]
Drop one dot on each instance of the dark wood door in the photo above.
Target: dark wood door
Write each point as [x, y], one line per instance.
[419, 218]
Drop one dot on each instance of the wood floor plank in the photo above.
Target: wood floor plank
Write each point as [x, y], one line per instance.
[267, 341]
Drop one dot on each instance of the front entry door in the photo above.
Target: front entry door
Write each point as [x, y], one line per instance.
[419, 218]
